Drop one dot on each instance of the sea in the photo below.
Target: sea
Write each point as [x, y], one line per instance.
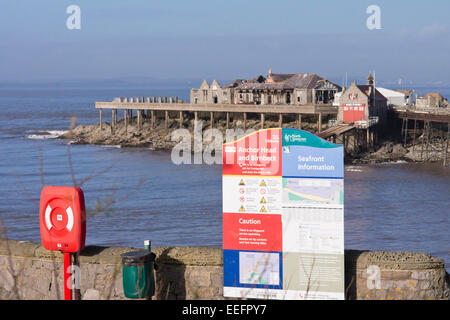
[135, 194]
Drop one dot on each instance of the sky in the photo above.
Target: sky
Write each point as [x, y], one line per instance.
[196, 39]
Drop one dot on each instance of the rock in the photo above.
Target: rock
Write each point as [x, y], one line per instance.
[398, 149]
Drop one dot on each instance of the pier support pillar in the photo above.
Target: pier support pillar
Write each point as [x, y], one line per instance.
[299, 122]
[101, 118]
[245, 121]
[406, 131]
[446, 145]
[195, 117]
[428, 139]
[343, 141]
[228, 120]
[153, 118]
[181, 119]
[414, 134]
[368, 138]
[372, 144]
[212, 119]
[319, 123]
[113, 120]
[280, 120]
[125, 118]
[139, 119]
[262, 120]
[166, 120]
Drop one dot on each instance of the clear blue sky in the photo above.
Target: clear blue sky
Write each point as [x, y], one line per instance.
[223, 39]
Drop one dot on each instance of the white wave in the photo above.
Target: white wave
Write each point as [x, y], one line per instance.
[43, 135]
[353, 169]
[394, 162]
[112, 146]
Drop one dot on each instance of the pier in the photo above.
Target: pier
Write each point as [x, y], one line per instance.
[360, 133]
[417, 125]
[422, 127]
[150, 106]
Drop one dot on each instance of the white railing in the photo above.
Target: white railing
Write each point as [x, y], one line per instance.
[363, 124]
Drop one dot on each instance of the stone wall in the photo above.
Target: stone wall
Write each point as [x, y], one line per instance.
[28, 271]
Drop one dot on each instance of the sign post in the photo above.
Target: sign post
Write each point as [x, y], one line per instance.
[67, 274]
[283, 222]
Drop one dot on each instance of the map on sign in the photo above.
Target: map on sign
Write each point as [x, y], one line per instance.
[298, 191]
[261, 268]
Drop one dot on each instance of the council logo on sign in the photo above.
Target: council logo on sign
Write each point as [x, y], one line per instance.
[294, 138]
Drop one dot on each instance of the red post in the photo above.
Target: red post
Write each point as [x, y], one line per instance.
[67, 286]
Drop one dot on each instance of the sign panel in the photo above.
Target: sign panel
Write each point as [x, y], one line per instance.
[283, 221]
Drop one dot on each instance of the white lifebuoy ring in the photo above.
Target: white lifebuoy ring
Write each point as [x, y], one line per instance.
[69, 212]
[48, 222]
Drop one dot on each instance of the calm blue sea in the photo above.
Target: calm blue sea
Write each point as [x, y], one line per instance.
[387, 207]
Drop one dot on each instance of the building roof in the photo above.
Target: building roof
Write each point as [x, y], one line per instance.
[280, 81]
[433, 95]
[366, 89]
[406, 92]
[264, 86]
[388, 93]
[204, 85]
[237, 82]
[299, 80]
[215, 85]
[279, 77]
[305, 80]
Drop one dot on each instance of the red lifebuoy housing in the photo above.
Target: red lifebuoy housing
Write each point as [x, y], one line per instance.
[62, 218]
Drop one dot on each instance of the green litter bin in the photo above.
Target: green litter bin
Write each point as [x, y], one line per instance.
[137, 272]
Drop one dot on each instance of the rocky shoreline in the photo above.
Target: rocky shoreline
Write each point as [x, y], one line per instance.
[159, 138]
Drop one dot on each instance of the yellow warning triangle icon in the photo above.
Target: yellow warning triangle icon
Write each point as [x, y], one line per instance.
[242, 209]
[263, 209]
[263, 200]
[241, 183]
[263, 184]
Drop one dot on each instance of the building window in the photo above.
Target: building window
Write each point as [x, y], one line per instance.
[299, 99]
